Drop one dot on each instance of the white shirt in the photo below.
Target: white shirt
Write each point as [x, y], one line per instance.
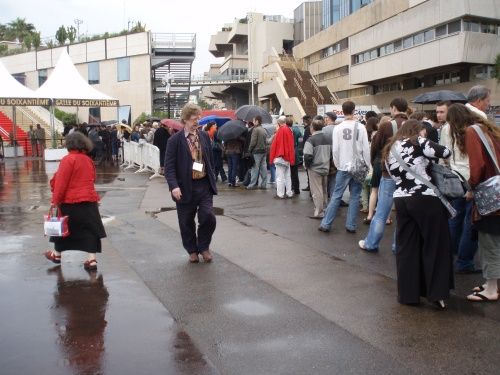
[458, 161]
[342, 144]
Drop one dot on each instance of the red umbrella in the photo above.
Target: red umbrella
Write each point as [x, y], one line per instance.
[172, 124]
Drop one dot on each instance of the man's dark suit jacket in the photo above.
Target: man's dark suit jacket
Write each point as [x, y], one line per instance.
[179, 164]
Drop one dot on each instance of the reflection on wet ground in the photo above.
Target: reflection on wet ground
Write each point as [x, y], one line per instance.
[63, 320]
[79, 319]
[24, 186]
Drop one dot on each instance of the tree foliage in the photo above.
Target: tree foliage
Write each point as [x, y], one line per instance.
[71, 32]
[61, 35]
[36, 40]
[18, 29]
[28, 41]
[65, 117]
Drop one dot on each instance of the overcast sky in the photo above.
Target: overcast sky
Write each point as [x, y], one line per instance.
[202, 17]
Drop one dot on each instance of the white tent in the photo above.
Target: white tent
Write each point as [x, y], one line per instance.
[65, 82]
[11, 88]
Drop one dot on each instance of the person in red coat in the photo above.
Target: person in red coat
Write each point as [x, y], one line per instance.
[283, 155]
[73, 192]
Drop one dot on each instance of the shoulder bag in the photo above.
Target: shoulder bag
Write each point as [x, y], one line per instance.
[423, 180]
[487, 193]
[358, 169]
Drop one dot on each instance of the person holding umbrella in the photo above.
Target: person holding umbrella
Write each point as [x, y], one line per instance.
[283, 155]
[160, 139]
[191, 180]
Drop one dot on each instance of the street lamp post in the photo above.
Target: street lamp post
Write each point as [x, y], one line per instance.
[250, 51]
[78, 22]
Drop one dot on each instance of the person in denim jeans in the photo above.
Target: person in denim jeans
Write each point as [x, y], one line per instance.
[463, 236]
[257, 148]
[387, 186]
[233, 150]
[343, 157]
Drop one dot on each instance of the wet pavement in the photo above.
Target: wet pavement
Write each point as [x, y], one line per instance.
[60, 319]
[280, 298]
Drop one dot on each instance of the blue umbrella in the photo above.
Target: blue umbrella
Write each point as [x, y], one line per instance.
[218, 120]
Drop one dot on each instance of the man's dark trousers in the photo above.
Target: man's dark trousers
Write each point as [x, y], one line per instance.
[201, 203]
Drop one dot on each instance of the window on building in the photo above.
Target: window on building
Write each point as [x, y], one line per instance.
[428, 35]
[488, 28]
[123, 69]
[381, 51]
[94, 115]
[42, 77]
[418, 39]
[389, 48]
[398, 45]
[454, 27]
[408, 42]
[455, 77]
[93, 72]
[124, 113]
[374, 53]
[366, 56]
[482, 72]
[471, 26]
[441, 31]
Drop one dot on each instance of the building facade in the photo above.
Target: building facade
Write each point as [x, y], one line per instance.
[242, 45]
[127, 67]
[307, 19]
[402, 48]
[335, 10]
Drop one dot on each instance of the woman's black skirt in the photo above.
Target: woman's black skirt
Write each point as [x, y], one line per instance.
[376, 174]
[85, 228]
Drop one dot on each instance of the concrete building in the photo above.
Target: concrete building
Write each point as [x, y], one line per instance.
[392, 48]
[307, 19]
[243, 45]
[335, 10]
[130, 68]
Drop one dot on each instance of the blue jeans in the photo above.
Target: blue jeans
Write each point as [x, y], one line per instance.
[233, 161]
[342, 181]
[462, 241]
[272, 170]
[384, 205]
[259, 168]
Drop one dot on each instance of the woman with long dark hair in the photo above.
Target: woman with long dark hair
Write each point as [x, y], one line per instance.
[423, 249]
[482, 168]
[73, 192]
[463, 238]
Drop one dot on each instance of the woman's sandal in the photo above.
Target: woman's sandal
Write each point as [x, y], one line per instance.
[51, 255]
[481, 297]
[90, 265]
[388, 222]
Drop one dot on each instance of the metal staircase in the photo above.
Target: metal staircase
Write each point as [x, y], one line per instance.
[171, 53]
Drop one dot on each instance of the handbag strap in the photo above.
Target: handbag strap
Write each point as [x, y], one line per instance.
[486, 144]
[394, 127]
[354, 136]
[423, 180]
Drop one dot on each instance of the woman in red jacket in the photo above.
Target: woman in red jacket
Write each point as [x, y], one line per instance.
[74, 193]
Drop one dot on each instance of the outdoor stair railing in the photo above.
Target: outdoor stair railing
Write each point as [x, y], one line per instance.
[316, 88]
[304, 97]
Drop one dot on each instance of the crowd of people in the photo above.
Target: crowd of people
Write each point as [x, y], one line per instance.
[384, 162]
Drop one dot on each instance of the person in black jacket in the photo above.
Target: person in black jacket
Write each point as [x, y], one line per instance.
[306, 121]
[160, 140]
[191, 180]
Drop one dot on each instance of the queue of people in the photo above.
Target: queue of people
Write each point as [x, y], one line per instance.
[388, 157]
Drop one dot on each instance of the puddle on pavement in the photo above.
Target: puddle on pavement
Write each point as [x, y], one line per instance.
[12, 244]
[250, 308]
[218, 211]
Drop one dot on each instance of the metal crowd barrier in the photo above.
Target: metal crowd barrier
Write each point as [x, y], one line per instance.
[141, 155]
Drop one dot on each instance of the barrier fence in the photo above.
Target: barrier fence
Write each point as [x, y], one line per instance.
[142, 155]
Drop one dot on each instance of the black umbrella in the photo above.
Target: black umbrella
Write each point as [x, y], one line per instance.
[248, 113]
[231, 130]
[433, 97]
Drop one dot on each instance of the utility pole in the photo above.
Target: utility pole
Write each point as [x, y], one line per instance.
[250, 51]
[78, 22]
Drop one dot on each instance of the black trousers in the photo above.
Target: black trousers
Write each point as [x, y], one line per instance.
[294, 174]
[423, 250]
[197, 241]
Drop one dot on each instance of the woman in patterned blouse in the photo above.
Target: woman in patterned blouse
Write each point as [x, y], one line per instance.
[423, 246]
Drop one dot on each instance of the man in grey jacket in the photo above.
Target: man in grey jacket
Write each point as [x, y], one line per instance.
[317, 151]
[258, 148]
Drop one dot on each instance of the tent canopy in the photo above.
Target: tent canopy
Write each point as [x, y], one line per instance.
[14, 93]
[68, 88]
